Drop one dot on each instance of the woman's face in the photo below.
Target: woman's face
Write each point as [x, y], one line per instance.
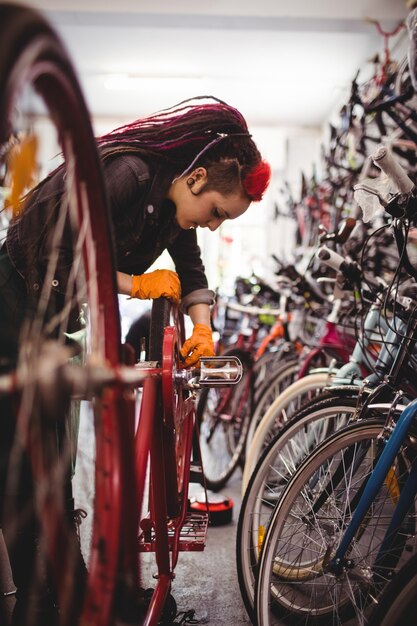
[207, 209]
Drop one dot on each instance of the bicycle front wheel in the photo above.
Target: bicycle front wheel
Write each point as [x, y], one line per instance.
[279, 461]
[263, 429]
[61, 317]
[296, 583]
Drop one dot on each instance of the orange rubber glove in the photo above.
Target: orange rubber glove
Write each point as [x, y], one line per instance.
[199, 344]
[157, 284]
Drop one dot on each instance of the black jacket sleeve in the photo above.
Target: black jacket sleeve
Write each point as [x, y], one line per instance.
[186, 255]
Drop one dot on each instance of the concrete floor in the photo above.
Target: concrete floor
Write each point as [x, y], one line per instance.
[207, 581]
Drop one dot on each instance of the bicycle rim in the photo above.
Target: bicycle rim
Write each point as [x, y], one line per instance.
[279, 379]
[65, 320]
[278, 413]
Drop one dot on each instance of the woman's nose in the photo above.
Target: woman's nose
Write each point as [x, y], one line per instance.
[215, 223]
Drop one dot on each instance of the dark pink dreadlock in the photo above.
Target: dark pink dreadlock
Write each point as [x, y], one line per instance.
[190, 135]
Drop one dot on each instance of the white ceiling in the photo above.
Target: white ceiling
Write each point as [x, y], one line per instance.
[280, 62]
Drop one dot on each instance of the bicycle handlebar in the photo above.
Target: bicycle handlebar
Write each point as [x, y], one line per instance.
[330, 257]
[341, 235]
[383, 158]
[349, 269]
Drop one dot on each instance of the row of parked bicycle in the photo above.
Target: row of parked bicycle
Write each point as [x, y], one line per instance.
[323, 422]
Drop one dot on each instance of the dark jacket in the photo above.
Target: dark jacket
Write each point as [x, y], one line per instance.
[143, 227]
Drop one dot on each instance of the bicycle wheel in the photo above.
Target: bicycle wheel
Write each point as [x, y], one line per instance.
[296, 582]
[397, 605]
[271, 361]
[280, 380]
[272, 473]
[223, 416]
[165, 333]
[264, 427]
[160, 319]
[52, 327]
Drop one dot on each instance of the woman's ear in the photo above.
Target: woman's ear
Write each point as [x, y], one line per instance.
[197, 180]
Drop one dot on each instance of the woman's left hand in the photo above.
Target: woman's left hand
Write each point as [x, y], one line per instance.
[200, 344]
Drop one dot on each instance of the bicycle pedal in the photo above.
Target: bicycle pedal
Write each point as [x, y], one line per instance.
[219, 371]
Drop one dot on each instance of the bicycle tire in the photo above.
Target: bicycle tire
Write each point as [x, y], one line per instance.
[178, 416]
[160, 319]
[32, 55]
[269, 362]
[402, 82]
[298, 587]
[287, 404]
[279, 380]
[222, 437]
[277, 459]
[164, 329]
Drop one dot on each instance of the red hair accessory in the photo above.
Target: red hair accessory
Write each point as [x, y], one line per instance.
[257, 180]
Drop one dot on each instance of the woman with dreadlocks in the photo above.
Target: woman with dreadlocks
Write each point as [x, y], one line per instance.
[194, 165]
[189, 166]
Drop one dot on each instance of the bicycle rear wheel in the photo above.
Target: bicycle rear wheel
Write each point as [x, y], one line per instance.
[223, 415]
[64, 315]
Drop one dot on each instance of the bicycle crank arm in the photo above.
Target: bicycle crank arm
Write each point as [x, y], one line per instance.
[219, 371]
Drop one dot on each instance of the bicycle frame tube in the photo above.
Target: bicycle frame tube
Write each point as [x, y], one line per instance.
[331, 340]
[149, 444]
[144, 431]
[375, 482]
[360, 359]
[390, 350]
[165, 436]
[393, 361]
[188, 430]
[278, 331]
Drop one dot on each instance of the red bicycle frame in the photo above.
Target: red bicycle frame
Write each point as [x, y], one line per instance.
[163, 444]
